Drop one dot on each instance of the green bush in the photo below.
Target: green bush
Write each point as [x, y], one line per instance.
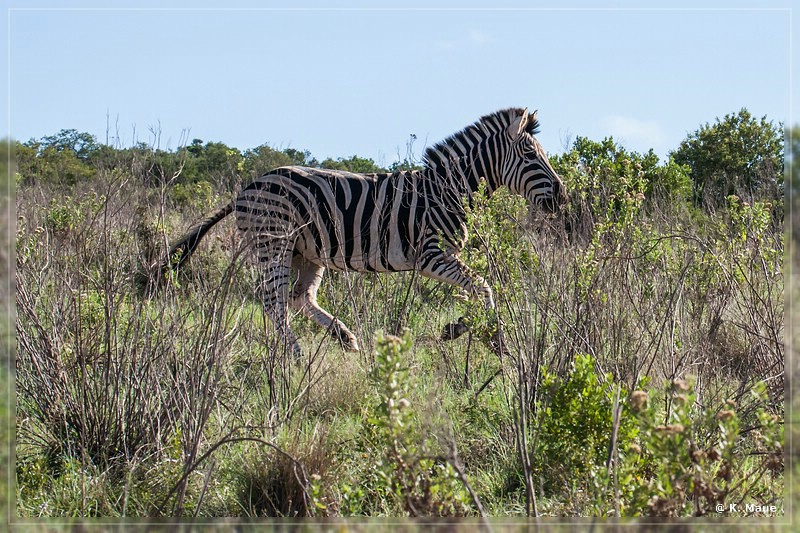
[67, 214]
[688, 461]
[575, 427]
[736, 155]
[651, 454]
[408, 472]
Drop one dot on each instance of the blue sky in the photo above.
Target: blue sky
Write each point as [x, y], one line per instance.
[360, 80]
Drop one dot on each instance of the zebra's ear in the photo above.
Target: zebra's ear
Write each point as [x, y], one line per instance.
[532, 126]
[518, 125]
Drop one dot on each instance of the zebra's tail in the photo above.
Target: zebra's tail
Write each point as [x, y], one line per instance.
[184, 247]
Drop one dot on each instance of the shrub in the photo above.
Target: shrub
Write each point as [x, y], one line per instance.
[411, 470]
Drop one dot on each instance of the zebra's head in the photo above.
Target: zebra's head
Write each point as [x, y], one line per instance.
[526, 169]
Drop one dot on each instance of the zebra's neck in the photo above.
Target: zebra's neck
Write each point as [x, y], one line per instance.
[452, 181]
[461, 161]
[458, 167]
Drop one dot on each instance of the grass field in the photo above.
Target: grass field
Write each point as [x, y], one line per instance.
[645, 375]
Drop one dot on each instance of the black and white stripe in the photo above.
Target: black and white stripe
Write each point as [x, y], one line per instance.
[308, 219]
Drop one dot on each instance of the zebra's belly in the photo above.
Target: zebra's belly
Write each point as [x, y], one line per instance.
[373, 261]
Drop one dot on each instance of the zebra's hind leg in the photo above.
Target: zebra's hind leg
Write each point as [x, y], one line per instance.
[275, 259]
[304, 299]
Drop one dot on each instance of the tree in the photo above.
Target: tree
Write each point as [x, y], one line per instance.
[81, 144]
[738, 155]
[214, 162]
[65, 158]
[262, 159]
[301, 157]
[51, 162]
[353, 164]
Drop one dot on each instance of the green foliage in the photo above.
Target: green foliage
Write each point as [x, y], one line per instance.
[261, 159]
[634, 455]
[745, 221]
[213, 162]
[301, 157]
[81, 144]
[195, 196]
[696, 460]
[493, 224]
[610, 185]
[671, 180]
[493, 230]
[67, 214]
[53, 165]
[605, 169]
[45, 495]
[738, 154]
[575, 427]
[61, 159]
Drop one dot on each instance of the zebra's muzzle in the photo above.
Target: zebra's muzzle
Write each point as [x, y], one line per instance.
[557, 200]
[553, 204]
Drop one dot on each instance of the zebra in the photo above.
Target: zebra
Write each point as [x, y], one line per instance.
[304, 220]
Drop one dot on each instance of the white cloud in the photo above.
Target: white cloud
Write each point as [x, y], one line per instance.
[635, 134]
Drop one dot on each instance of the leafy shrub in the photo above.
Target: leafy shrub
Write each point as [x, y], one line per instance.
[695, 459]
[630, 454]
[575, 425]
[409, 472]
[67, 214]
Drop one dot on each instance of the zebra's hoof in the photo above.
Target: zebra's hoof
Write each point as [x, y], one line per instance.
[454, 330]
[350, 345]
[346, 339]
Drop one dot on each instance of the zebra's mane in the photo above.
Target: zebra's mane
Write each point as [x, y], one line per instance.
[482, 128]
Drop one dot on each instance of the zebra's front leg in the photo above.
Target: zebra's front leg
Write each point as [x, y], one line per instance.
[450, 269]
